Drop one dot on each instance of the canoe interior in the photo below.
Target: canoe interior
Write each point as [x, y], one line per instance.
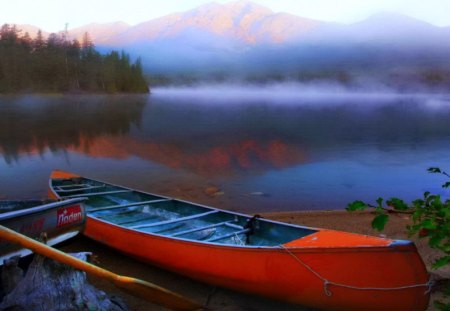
[11, 206]
[173, 218]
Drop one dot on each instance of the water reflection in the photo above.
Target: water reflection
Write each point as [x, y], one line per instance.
[31, 125]
[309, 121]
[99, 126]
[209, 139]
[246, 155]
[295, 151]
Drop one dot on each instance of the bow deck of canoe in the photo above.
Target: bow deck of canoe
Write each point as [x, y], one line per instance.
[314, 267]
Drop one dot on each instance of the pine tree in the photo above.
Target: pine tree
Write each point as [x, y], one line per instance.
[58, 65]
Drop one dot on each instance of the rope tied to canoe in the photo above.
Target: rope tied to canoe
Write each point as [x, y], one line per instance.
[327, 283]
[238, 240]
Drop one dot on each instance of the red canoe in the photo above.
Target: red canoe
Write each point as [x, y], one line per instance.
[325, 269]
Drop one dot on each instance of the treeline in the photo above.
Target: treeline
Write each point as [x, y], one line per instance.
[56, 64]
[405, 80]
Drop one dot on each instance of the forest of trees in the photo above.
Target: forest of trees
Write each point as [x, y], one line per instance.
[55, 64]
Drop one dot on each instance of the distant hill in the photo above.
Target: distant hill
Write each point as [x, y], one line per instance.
[249, 25]
[30, 29]
[240, 21]
[246, 39]
[101, 34]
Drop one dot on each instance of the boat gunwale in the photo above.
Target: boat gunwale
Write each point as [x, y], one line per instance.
[40, 208]
[280, 248]
[182, 201]
[393, 245]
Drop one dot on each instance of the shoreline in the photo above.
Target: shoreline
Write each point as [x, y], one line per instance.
[228, 300]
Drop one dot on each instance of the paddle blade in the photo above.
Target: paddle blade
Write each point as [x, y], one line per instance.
[156, 294]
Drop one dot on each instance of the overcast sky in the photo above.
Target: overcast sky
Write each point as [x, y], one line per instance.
[52, 15]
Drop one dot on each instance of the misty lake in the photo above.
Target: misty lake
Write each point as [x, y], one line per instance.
[244, 150]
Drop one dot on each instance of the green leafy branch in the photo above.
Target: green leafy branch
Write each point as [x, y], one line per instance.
[430, 219]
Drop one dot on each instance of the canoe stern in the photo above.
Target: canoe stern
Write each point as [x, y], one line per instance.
[58, 220]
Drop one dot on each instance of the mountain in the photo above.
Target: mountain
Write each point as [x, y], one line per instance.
[248, 24]
[242, 21]
[101, 34]
[246, 38]
[210, 37]
[30, 29]
[387, 28]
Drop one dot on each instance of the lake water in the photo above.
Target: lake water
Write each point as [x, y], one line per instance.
[255, 151]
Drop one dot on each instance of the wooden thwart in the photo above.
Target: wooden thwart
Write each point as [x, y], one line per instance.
[72, 186]
[79, 189]
[174, 220]
[121, 223]
[228, 235]
[234, 226]
[105, 208]
[200, 228]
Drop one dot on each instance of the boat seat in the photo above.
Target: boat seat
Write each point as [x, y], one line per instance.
[201, 228]
[72, 186]
[230, 224]
[165, 222]
[205, 235]
[79, 189]
[172, 227]
[104, 208]
[228, 235]
[134, 220]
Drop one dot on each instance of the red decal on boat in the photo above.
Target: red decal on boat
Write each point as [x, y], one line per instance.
[68, 215]
[33, 227]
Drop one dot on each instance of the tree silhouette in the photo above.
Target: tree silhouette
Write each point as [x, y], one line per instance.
[59, 65]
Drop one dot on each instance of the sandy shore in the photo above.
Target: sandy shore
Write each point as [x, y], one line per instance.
[223, 299]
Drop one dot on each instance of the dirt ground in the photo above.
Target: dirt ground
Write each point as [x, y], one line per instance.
[227, 300]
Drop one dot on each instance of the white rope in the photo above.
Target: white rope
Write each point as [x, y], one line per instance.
[327, 283]
[239, 239]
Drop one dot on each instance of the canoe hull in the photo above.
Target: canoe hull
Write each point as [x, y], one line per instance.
[274, 272]
[324, 269]
[58, 220]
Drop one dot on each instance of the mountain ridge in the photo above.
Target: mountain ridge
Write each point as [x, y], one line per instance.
[244, 37]
[242, 21]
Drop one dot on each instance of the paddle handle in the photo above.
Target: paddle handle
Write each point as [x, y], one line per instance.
[50, 252]
[137, 287]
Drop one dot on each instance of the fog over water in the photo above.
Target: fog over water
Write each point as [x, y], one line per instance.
[292, 93]
[281, 147]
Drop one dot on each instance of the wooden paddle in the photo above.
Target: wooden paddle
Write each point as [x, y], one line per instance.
[136, 287]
